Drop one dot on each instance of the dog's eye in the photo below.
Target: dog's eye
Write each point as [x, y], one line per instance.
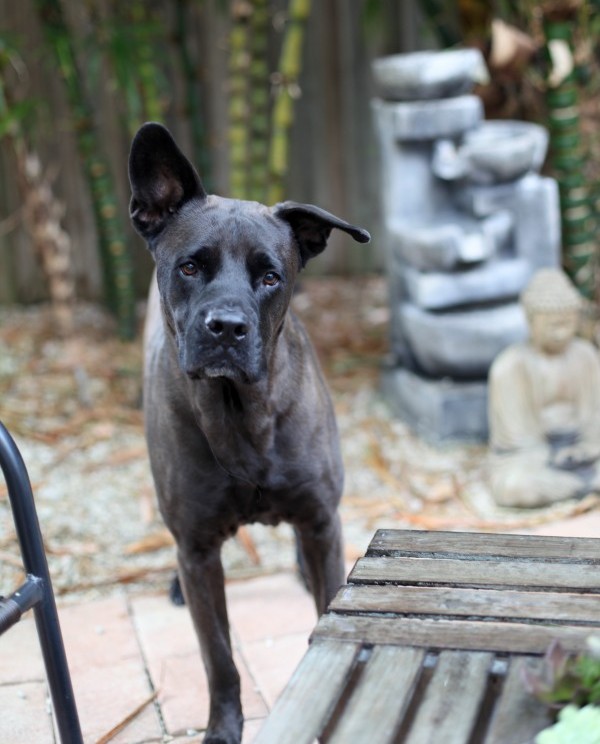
[271, 279]
[189, 268]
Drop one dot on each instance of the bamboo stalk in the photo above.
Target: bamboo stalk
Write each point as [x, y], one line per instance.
[41, 213]
[192, 97]
[114, 249]
[259, 102]
[287, 91]
[239, 65]
[148, 74]
[568, 161]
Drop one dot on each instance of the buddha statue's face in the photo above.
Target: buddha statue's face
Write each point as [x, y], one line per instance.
[551, 331]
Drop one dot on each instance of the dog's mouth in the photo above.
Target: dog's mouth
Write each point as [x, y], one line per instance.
[200, 361]
[219, 371]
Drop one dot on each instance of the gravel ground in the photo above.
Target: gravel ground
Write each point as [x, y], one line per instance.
[73, 406]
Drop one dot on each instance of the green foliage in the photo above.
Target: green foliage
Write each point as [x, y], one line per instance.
[114, 249]
[564, 678]
[128, 38]
[571, 683]
[574, 726]
[16, 115]
[260, 129]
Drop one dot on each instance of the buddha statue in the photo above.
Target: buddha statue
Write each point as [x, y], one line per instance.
[544, 403]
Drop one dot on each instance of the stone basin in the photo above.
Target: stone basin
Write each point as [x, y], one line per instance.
[449, 239]
[426, 75]
[494, 152]
[504, 150]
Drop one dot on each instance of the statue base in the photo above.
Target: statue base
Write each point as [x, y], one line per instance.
[440, 411]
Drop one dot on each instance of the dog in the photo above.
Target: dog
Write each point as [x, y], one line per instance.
[239, 423]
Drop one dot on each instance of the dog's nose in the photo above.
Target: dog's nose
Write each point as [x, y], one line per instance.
[230, 326]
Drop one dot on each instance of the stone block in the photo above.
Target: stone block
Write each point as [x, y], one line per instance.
[428, 120]
[497, 280]
[534, 202]
[440, 411]
[460, 344]
[449, 239]
[492, 153]
[427, 74]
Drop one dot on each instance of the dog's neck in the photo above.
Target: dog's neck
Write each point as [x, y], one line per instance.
[228, 411]
[239, 420]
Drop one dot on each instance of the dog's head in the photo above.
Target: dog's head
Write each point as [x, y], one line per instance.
[226, 268]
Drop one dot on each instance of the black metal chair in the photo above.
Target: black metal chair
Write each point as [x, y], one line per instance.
[37, 593]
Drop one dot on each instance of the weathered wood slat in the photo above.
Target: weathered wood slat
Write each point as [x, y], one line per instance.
[466, 602]
[518, 716]
[468, 597]
[302, 710]
[451, 703]
[486, 544]
[440, 633]
[381, 697]
[489, 572]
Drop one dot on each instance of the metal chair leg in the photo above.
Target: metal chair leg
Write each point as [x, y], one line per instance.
[37, 592]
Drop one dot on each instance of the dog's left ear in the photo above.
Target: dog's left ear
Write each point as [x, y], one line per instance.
[162, 179]
[312, 226]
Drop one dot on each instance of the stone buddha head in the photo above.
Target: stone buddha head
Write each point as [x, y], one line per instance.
[552, 306]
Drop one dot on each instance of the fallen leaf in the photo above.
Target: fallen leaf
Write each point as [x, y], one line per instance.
[150, 543]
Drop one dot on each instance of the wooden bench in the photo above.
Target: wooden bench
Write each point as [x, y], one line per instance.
[426, 641]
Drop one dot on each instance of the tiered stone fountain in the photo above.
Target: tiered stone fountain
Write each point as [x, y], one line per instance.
[467, 220]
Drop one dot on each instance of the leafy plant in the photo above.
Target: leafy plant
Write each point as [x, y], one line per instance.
[565, 678]
[571, 684]
[114, 247]
[574, 726]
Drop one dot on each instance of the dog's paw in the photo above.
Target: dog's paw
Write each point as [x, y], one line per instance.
[226, 729]
[176, 593]
[222, 737]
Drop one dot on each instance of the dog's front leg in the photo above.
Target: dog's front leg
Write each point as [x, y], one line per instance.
[322, 551]
[203, 584]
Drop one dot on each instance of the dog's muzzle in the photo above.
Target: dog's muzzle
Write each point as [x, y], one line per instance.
[222, 345]
[227, 327]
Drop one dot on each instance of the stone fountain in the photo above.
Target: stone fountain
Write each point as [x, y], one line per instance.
[467, 220]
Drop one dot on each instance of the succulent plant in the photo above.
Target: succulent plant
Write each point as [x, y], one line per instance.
[570, 684]
[574, 726]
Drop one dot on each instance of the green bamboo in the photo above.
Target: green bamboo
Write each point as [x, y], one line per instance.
[259, 102]
[146, 38]
[290, 66]
[131, 35]
[114, 250]
[192, 98]
[41, 213]
[239, 66]
[568, 159]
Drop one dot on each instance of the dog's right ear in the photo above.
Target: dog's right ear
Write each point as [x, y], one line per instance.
[162, 179]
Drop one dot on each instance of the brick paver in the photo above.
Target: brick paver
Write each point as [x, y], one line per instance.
[121, 650]
[24, 716]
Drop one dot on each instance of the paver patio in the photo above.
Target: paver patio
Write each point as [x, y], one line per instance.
[123, 649]
[126, 647]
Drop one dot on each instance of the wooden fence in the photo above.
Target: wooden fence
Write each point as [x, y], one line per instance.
[333, 154]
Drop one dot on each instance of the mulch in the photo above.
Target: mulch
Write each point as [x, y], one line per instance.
[74, 407]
